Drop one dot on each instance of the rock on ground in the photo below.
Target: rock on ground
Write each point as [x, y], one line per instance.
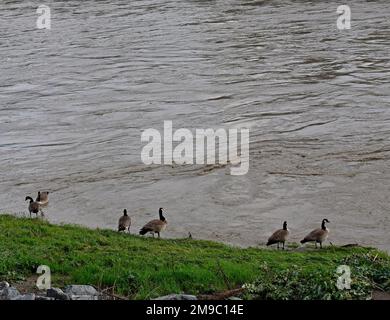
[57, 294]
[81, 292]
[72, 292]
[3, 285]
[28, 296]
[7, 293]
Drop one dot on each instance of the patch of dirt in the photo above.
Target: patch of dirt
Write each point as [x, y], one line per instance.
[380, 295]
[28, 285]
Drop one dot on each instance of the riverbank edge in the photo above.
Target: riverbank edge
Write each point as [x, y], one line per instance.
[134, 267]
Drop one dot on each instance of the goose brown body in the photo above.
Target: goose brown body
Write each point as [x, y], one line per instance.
[155, 226]
[33, 206]
[124, 222]
[279, 236]
[318, 235]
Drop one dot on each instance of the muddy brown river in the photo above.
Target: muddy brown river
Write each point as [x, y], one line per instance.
[74, 100]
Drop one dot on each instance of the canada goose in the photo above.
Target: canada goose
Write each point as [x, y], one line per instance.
[43, 198]
[124, 222]
[155, 226]
[279, 236]
[34, 207]
[318, 235]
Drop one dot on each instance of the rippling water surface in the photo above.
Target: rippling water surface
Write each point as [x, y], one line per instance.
[74, 101]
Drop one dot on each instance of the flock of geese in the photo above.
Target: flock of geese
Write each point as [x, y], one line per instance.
[317, 235]
[153, 226]
[158, 225]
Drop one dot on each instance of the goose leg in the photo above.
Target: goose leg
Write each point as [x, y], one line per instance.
[158, 234]
[278, 246]
[321, 245]
[283, 245]
[316, 244]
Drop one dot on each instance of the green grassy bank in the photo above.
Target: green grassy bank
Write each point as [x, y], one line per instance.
[143, 267]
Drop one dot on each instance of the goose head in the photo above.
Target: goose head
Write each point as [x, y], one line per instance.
[323, 226]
